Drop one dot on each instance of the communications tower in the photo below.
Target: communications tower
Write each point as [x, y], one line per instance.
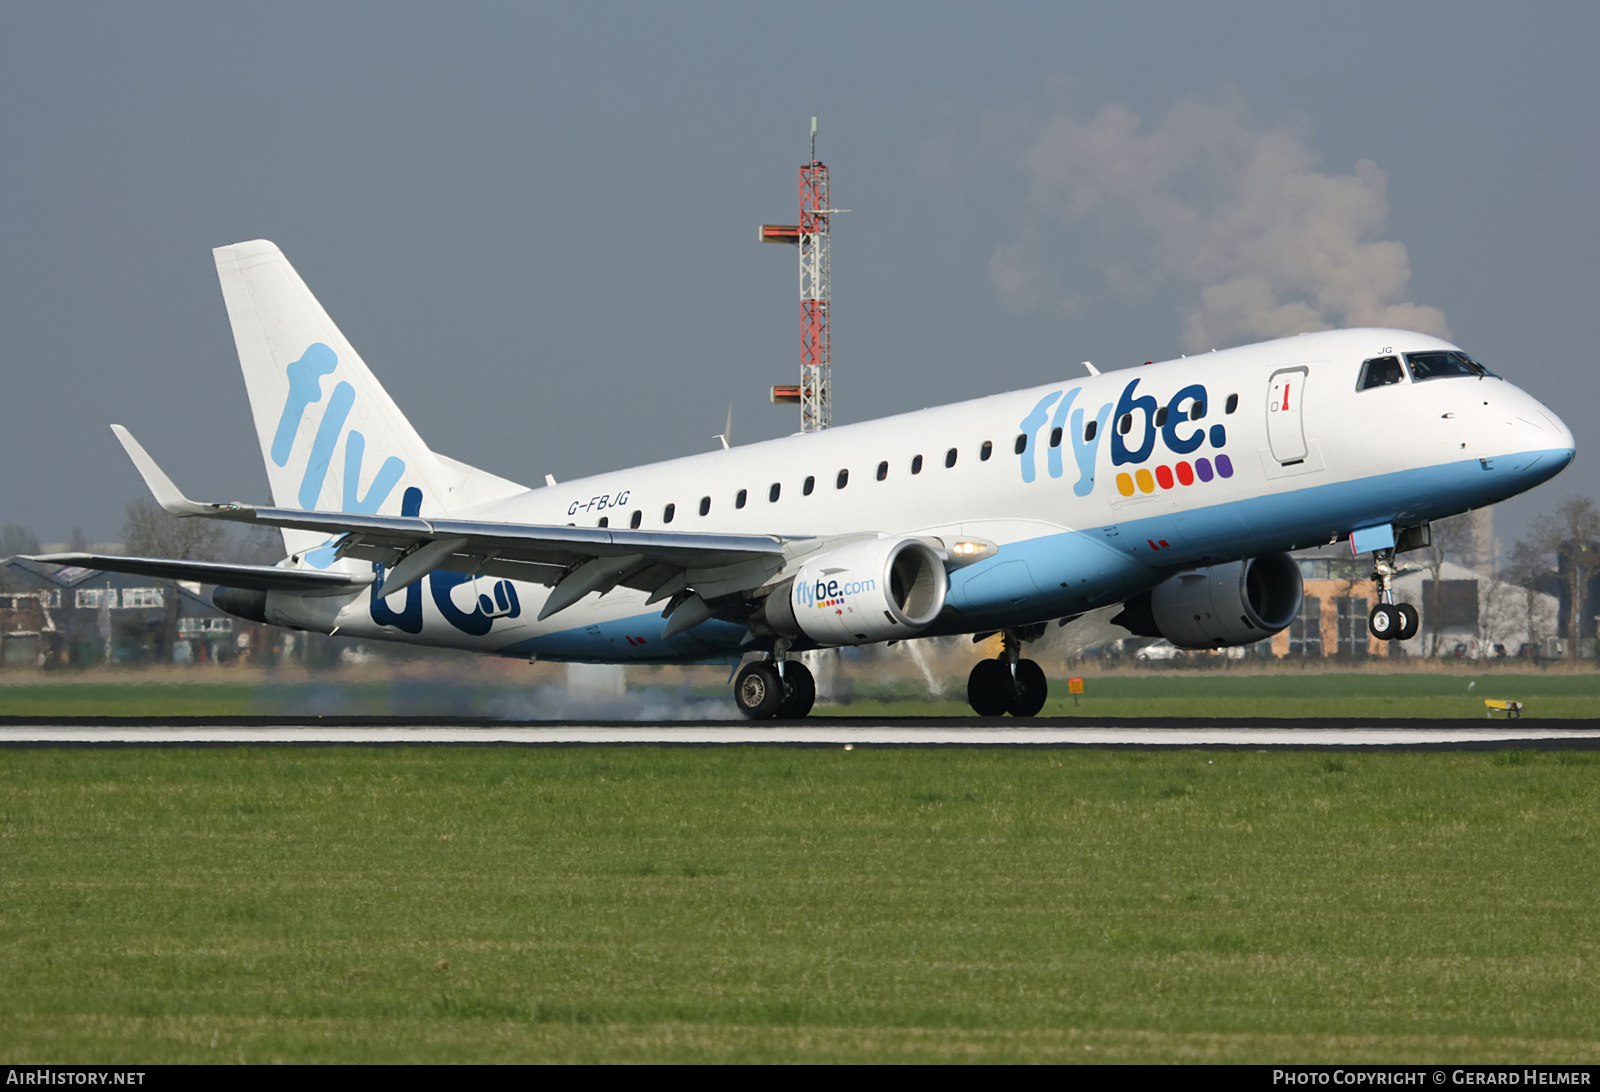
[814, 393]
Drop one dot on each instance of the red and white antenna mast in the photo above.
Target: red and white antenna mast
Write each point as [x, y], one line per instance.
[814, 394]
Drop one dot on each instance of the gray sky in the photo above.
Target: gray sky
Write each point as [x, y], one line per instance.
[538, 222]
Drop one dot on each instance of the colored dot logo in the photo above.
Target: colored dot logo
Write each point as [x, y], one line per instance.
[1142, 481]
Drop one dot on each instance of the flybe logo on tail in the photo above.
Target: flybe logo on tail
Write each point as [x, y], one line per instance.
[1177, 425]
[305, 388]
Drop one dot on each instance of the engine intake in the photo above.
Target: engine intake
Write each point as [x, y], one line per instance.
[1234, 604]
[878, 590]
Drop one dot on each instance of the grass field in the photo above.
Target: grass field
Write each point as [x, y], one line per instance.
[352, 904]
[1168, 694]
[1287, 694]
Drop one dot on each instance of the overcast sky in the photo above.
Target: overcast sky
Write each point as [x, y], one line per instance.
[537, 222]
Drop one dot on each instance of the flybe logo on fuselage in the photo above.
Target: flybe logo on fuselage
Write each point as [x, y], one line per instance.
[1177, 425]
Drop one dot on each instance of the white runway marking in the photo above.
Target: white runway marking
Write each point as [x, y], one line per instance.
[820, 734]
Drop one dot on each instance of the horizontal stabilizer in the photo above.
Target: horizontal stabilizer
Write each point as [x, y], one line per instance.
[252, 577]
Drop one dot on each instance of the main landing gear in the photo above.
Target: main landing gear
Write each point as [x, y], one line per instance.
[1007, 684]
[1390, 621]
[774, 688]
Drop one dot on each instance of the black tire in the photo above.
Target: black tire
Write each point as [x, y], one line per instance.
[1029, 690]
[989, 688]
[756, 691]
[1410, 620]
[1383, 622]
[799, 690]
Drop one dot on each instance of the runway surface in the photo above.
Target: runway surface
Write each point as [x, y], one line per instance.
[348, 731]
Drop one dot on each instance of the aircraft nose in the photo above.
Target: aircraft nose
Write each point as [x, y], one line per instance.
[1544, 431]
[1559, 435]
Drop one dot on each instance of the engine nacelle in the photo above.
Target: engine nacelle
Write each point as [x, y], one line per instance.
[241, 603]
[881, 589]
[1234, 604]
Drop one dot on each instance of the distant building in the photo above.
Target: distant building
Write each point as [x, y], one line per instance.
[1469, 614]
[1339, 594]
[26, 627]
[1477, 616]
[52, 616]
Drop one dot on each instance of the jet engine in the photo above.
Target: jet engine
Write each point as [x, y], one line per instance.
[241, 603]
[1234, 604]
[881, 589]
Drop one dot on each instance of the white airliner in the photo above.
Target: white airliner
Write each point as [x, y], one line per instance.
[1174, 488]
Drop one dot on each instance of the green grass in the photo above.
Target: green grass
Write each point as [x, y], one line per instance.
[1166, 694]
[456, 904]
[1285, 694]
[121, 699]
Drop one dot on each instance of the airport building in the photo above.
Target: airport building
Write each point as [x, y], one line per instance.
[54, 616]
[1466, 613]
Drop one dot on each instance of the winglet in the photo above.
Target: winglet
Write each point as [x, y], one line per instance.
[155, 479]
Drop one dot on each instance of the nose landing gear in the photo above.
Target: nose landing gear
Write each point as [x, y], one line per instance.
[1007, 684]
[1390, 621]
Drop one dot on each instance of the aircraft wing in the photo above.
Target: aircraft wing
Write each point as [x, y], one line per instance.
[680, 566]
[253, 577]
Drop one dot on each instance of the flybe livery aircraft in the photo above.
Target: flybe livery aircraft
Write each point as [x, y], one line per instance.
[1173, 489]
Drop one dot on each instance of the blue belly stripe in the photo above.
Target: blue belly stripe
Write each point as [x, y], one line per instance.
[1056, 575]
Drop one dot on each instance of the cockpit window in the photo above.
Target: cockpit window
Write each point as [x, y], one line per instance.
[1380, 371]
[1442, 363]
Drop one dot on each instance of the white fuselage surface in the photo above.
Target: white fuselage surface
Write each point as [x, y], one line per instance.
[1080, 493]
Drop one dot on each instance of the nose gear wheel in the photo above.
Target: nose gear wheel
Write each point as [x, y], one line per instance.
[1390, 621]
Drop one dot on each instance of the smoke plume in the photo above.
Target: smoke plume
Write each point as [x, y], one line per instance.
[1238, 216]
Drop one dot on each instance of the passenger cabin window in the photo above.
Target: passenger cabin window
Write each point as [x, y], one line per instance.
[1197, 410]
[636, 519]
[1380, 371]
[605, 521]
[811, 483]
[985, 451]
[883, 471]
[1161, 417]
[916, 464]
[668, 512]
[772, 494]
[1232, 404]
[1442, 364]
[1126, 424]
[842, 480]
[1022, 443]
[1089, 430]
[1055, 436]
[950, 458]
[740, 497]
[705, 506]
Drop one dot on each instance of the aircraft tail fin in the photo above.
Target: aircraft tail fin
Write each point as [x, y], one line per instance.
[331, 437]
